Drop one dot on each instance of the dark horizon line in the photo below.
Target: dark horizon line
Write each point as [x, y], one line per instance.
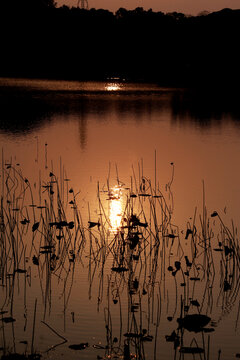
[51, 4]
[175, 12]
[42, 41]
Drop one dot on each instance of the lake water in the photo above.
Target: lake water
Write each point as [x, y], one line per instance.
[118, 282]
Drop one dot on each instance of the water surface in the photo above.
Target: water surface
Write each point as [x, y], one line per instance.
[119, 134]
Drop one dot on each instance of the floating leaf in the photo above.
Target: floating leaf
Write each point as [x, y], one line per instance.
[188, 232]
[208, 330]
[47, 247]
[191, 350]
[227, 250]
[91, 224]
[46, 251]
[188, 263]
[172, 337]
[147, 338]
[177, 265]
[80, 346]
[226, 286]
[35, 260]
[98, 346]
[171, 236]
[35, 226]
[8, 319]
[194, 278]
[3, 312]
[59, 224]
[195, 303]
[71, 225]
[194, 322]
[25, 221]
[20, 271]
[119, 269]
[145, 225]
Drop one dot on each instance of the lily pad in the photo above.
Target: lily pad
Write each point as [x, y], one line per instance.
[8, 319]
[194, 322]
[80, 346]
[191, 350]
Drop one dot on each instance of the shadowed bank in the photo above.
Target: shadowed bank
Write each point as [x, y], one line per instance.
[171, 49]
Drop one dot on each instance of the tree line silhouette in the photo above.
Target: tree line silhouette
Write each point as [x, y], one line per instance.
[41, 40]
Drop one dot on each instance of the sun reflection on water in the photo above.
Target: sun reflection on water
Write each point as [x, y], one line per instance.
[113, 87]
[115, 208]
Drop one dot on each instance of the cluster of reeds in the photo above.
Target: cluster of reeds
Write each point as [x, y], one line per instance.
[154, 264]
[36, 237]
[147, 271]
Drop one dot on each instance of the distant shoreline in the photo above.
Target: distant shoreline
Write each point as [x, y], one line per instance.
[171, 50]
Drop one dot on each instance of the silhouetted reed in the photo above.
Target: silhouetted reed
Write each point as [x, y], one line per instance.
[146, 271]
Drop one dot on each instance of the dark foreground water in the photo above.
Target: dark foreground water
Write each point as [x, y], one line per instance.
[106, 230]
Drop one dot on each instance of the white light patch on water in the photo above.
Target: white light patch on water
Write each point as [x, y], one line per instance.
[115, 208]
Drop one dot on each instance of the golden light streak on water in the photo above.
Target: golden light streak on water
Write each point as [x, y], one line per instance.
[115, 208]
[112, 87]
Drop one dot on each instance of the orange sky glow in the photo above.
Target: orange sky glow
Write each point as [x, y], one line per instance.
[184, 6]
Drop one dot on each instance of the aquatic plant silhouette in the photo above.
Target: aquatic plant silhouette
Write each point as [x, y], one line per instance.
[146, 271]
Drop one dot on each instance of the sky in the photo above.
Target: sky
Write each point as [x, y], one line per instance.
[192, 7]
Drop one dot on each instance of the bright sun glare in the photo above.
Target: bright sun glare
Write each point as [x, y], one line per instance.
[112, 87]
[115, 208]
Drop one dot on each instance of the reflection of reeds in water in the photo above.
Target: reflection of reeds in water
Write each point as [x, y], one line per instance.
[146, 269]
[149, 256]
[35, 233]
